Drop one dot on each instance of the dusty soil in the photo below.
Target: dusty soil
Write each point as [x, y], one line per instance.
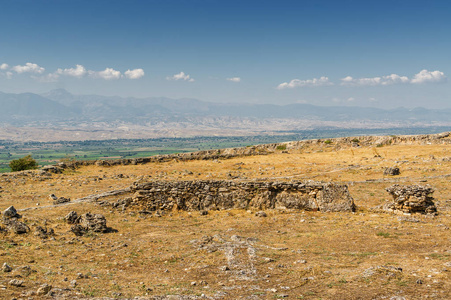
[234, 254]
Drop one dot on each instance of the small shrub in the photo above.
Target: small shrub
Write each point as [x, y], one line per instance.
[281, 147]
[24, 163]
[355, 140]
[328, 142]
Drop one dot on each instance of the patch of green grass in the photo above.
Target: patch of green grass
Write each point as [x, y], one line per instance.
[383, 234]
[281, 147]
[439, 256]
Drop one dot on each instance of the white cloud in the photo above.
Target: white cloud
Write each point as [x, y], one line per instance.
[134, 74]
[28, 68]
[234, 79]
[4, 66]
[425, 76]
[180, 76]
[107, 74]
[383, 80]
[350, 99]
[301, 83]
[79, 71]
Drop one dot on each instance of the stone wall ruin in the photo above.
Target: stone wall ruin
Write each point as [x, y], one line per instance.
[222, 194]
[411, 199]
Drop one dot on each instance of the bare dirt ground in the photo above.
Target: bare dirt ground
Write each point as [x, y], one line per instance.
[233, 254]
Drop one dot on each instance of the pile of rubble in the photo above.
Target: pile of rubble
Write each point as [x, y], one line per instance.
[86, 223]
[411, 199]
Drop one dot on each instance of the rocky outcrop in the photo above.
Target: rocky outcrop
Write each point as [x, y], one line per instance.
[221, 194]
[86, 223]
[411, 199]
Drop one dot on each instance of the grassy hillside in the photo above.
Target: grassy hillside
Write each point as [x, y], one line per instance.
[232, 254]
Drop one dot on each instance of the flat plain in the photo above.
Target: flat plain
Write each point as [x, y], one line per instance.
[234, 254]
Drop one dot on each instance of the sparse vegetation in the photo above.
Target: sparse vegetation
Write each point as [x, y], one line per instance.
[24, 163]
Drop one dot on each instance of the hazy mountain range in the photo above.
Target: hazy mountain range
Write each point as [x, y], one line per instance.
[60, 105]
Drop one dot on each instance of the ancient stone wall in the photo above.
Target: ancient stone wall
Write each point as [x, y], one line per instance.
[221, 194]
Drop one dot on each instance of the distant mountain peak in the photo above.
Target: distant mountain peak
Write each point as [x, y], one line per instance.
[59, 92]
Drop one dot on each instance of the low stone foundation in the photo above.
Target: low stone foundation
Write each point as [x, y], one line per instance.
[221, 194]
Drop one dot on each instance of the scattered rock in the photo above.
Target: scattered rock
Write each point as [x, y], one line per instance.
[6, 268]
[73, 283]
[16, 226]
[302, 261]
[72, 217]
[60, 200]
[392, 171]
[16, 282]
[10, 213]
[261, 214]
[43, 289]
[86, 223]
[52, 169]
[43, 233]
[93, 222]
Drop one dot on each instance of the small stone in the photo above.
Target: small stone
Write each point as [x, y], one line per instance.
[193, 283]
[44, 289]
[261, 214]
[11, 212]
[204, 213]
[73, 283]
[6, 268]
[419, 281]
[16, 282]
[392, 171]
[224, 268]
[302, 261]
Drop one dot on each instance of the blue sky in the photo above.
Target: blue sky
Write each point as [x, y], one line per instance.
[365, 53]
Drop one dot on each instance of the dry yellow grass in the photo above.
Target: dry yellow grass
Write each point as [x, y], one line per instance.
[295, 254]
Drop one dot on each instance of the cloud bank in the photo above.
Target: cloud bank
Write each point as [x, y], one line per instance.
[423, 76]
[28, 68]
[322, 81]
[79, 71]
